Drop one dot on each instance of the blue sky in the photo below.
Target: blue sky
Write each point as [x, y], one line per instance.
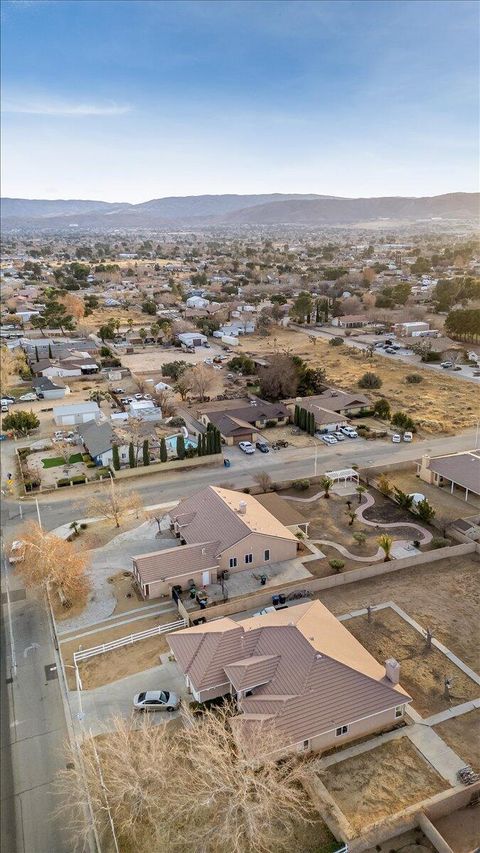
[126, 101]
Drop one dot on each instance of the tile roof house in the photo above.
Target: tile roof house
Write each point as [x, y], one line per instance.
[460, 470]
[223, 531]
[331, 408]
[298, 669]
[240, 420]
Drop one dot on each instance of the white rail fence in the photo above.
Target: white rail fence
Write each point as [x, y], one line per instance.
[84, 654]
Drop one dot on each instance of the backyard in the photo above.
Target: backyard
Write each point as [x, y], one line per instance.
[381, 782]
[445, 596]
[443, 405]
[462, 734]
[422, 670]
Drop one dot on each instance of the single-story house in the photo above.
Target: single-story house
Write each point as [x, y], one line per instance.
[411, 330]
[240, 419]
[331, 408]
[284, 512]
[48, 389]
[98, 440]
[192, 339]
[231, 532]
[80, 364]
[299, 670]
[456, 470]
[76, 413]
[350, 321]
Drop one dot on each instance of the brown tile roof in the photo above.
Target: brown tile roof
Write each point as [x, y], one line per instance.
[247, 409]
[228, 425]
[313, 674]
[174, 562]
[281, 509]
[462, 468]
[217, 510]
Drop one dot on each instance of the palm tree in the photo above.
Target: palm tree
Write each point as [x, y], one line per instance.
[326, 484]
[360, 490]
[385, 541]
[352, 516]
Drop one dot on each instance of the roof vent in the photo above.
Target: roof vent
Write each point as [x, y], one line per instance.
[203, 552]
[242, 507]
[318, 656]
[334, 394]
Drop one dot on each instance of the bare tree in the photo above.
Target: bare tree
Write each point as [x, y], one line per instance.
[264, 480]
[51, 562]
[115, 504]
[183, 385]
[166, 403]
[279, 379]
[201, 380]
[194, 788]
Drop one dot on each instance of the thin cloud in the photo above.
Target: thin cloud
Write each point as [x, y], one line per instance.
[63, 108]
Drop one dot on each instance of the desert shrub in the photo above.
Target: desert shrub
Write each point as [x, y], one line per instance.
[23, 452]
[176, 422]
[271, 424]
[414, 379]
[336, 342]
[403, 421]
[439, 542]
[431, 356]
[79, 478]
[384, 486]
[370, 380]
[301, 485]
[83, 526]
[63, 482]
[336, 565]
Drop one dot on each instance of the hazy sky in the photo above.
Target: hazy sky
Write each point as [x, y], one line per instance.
[126, 101]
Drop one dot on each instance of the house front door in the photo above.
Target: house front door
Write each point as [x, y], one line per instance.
[205, 578]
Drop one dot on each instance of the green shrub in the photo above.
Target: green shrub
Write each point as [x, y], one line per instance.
[439, 542]
[370, 380]
[301, 485]
[336, 342]
[271, 424]
[414, 379]
[83, 526]
[63, 482]
[80, 478]
[336, 565]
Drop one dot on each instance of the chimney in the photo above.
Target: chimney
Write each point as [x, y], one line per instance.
[242, 507]
[392, 670]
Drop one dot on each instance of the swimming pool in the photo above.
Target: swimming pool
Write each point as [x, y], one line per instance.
[172, 443]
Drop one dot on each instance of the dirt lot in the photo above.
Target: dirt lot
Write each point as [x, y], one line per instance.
[108, 667]
[422, 670]
[445, 596]
[381, 782]
[443, 404]
[462, 734]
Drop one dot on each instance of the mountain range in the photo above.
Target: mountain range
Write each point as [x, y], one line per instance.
[207, 210]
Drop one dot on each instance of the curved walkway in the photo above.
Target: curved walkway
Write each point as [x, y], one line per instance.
[378, 556]
[425, 535]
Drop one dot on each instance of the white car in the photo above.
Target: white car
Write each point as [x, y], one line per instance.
[246, 446]
[349, 432]
[328, 439]
[407, 436]
[27, 398]
[156, 700]
[339, 435]
[396, 438]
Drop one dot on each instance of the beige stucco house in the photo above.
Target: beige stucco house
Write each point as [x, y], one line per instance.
[454, 471]
[219, 531]
[298, 669]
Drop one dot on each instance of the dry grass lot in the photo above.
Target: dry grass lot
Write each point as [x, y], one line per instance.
[381, 782]
[439, 404]
[448, 507]
[128, 660]
[444, 595]
[462, 734]
[422, 670]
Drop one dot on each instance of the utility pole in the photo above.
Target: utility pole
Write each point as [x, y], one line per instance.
[38, 513]
[13, 665]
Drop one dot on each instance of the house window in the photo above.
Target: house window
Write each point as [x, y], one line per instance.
[399, 711]
[306, 744]
[248, 558]
[232, 562]
[342, 730]
[266, 554]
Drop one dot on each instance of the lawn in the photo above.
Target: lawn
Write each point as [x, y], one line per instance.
[56, 461]
[381, 782]
[422, 670]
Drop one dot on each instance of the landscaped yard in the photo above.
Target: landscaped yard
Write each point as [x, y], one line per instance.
[444, 596]
[462, 734]
[381, 782]
[54, 462]
[422, 670]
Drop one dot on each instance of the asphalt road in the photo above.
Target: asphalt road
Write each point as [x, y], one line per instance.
[33, 733]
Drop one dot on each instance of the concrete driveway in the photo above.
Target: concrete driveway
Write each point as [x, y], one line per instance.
[116, 699]
[115, 556]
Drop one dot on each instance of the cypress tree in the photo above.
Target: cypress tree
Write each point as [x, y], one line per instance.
[312, 424]
[218, 441]
[145, 452]
[317, 313]
[208, 436]
[36, 354]
[115, 457]
[50, 354]
[163, 450]
[296, 415]
[199, 445]
[131, 455]
[180, 447]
